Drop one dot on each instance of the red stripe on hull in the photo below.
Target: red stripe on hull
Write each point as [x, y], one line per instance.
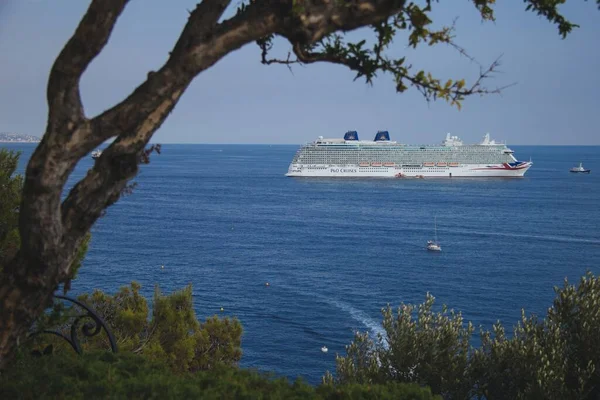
[505, 166]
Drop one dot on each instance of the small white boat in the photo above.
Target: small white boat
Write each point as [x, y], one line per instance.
[96, 154]
[580, 169]
[324, 349]
[433, 245]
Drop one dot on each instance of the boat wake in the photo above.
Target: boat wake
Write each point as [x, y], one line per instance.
[375, 328]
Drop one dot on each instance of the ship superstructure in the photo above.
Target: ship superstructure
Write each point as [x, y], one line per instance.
[382, 157]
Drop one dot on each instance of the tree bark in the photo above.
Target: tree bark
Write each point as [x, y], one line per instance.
[51, 231]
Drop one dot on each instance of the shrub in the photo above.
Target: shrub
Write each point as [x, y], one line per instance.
[172, 334]
[555, 358]
[130, 376]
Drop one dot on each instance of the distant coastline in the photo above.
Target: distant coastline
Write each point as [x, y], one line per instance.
[17, 138]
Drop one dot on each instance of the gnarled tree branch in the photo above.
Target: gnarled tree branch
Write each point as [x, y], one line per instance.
[49, 166]
[202, 43]
[368, 62]
[202, 20]
[312, 20]
[90, 37]
[198, 48]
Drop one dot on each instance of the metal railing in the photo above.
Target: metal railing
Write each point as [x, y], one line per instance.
[92, 327]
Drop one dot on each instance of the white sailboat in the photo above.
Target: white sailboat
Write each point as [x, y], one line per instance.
[433, 245]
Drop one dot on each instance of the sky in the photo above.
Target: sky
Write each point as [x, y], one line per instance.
[555, 99]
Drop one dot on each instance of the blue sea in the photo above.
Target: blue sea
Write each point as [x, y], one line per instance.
[225, 219]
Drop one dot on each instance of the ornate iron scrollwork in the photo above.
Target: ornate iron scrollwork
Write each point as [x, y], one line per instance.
[88, 329]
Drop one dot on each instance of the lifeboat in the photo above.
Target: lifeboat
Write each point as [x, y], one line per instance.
[376, 164]
[428, 164]
[364, 164]
[389, 164]
[453, 164]
[442, 164]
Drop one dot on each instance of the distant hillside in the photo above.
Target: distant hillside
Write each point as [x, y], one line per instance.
[18, 138]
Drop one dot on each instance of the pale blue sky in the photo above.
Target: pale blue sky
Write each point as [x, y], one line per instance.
[556, 100]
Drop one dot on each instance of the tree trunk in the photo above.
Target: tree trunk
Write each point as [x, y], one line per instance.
[23, 297]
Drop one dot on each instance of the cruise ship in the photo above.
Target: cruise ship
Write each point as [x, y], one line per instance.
[381, 157]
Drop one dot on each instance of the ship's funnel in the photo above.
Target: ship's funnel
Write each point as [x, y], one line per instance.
[382, 136]
[351, 135]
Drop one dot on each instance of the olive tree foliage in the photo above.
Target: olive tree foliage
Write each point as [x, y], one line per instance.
[11, 185]
[557, 357]
[52, 229]
[169, 334]
[420, 346]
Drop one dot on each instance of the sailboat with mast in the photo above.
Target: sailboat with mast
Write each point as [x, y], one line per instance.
[433, 245]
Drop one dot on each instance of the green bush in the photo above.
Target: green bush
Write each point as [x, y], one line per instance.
[555, 358]
[129, 376]
[431, 349]
[171, 334]
[10, 200]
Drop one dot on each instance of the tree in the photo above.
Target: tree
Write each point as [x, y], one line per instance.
[555, 358]
[52, 229]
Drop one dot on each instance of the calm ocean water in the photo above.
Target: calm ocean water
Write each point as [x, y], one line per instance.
[225, 219]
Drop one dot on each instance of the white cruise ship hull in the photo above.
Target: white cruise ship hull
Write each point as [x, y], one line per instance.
[382, 158]
[355, 171]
